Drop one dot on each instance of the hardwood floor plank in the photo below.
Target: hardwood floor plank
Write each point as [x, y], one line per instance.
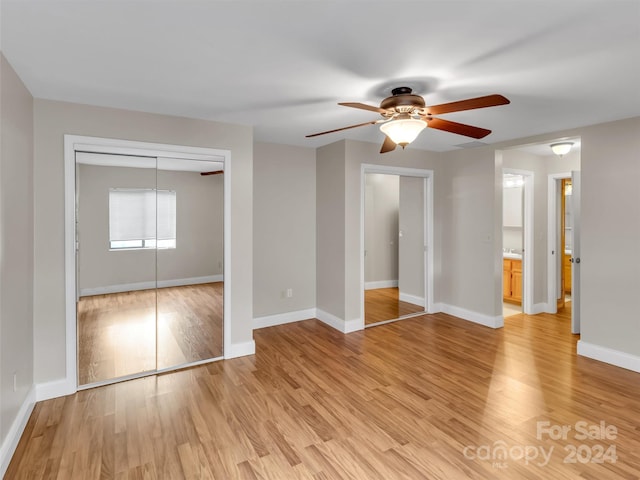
[414, 399]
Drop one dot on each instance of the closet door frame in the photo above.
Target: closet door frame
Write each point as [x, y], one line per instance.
[75, 143]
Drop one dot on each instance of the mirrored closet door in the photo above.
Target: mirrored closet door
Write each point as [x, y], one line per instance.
[394, 242]
[149, 264]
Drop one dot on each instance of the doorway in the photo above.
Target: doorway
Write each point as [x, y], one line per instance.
[564, 245]
[148, 230]
[396, 234]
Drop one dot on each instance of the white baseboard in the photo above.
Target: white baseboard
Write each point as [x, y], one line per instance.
[282, 318]
[413, 299]
[10, 442]
[471, 316]
[537, 308]
[240, 350]
[381, 284]
[129, 287]
[55, 389]
[344, 326]
[436, 308]
[609, 355]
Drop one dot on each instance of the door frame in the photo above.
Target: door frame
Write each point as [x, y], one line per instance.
[73, 143]
[554, 261]
[427, 175]
[527, 238]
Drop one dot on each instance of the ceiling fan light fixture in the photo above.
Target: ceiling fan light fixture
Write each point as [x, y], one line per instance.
[561, 148]
[403, 131]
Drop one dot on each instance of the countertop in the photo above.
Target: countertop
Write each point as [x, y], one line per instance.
[512, 256]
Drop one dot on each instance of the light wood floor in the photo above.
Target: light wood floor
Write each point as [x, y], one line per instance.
[382, 304]
[117, 332]
[399, 401]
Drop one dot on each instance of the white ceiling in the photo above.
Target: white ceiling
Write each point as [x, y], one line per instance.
[281, 66]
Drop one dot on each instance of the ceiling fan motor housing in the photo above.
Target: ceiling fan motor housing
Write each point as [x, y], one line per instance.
[403, 101]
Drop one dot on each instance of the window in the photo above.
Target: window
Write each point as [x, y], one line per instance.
[142, 218]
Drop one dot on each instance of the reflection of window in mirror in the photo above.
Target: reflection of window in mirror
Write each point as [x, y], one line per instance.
[134, 223]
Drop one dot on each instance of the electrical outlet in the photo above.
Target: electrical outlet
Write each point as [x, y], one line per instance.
[15, 381]
[289, 292]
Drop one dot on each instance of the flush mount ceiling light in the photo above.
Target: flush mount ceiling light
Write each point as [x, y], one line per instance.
[403, 131]
[561, 148]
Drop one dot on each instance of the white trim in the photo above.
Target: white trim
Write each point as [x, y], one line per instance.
[344, 326]
[236, 350]
[110, 145]
[540, 308]
[55, 388]
[427, 175]
[146, 149]
[528, 239]
[226, 267]
[475, 317]
[415, 300]
[609, 355]
[10, 442]
[129, 287]
[282, 318]
[381, 284]
[147, 373]
[554, 261]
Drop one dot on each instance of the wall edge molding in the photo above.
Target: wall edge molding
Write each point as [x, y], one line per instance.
[10, 442]
[344, 326]
[471, 316]
[282, 318]
[608, 355]
[381, 284]
[55, 389]
[240, 350]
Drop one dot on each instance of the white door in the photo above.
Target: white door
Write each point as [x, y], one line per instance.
[575, 252]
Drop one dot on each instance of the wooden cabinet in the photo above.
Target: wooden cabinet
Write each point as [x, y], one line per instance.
[512, 280]
[566, 267]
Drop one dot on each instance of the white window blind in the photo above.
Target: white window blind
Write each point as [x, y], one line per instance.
[137, 217]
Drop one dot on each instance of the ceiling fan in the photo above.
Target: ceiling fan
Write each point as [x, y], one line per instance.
[405, 115]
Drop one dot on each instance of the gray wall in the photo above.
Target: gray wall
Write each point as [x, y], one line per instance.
[52, 120]
[330, 229]
[284, 228]
[339, 197]
[610, 268]
[16, 241]
[199, 227]
[472, 233]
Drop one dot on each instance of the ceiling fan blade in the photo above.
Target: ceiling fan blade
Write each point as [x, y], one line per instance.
[388, 145]
[343, 128]
[455, 127]
[215, 172]
[469, 104]
[363, 106]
